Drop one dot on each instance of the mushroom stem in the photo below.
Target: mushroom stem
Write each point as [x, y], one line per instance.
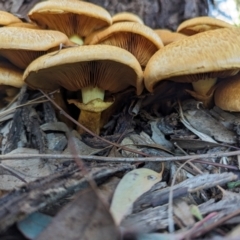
[91, 120]
[76, 39]
[203, 91]
[203, 86]
[91, 112]
[92, 93]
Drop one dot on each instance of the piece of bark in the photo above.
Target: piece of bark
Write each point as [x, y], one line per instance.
[17, 126]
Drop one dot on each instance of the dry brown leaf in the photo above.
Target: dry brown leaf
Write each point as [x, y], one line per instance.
[85, 218]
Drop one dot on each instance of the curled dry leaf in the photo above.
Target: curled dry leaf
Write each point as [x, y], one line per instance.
[132, 186]
[211, 127]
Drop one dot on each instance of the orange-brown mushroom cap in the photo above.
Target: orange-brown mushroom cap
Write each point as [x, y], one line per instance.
[10, 82]
[168, 36]
[208, 54]
[10, 75]
[137, 38]
[22, 45]
[7, 18]
[126, 17]
[227, 94]
[201, 24]
[106, 67]
[70, 16]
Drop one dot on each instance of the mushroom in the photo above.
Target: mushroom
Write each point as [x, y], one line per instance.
[227, 96]
[91, 69]
[126, 17]
[137, 38]
[200, 59]
[7, 18]
[201, 24]
[10, 81]
[22, 45]
[168, 36]
[76, 19]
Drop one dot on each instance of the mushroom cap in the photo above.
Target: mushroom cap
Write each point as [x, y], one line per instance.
[7, 18]
[10, 75]
[201, 24]
[24, 25]
[70, 16]
[126, 17]
[168, 36]
[227, 94]
[137, 38]
[107, 67]
[22, 45]
[195, 57]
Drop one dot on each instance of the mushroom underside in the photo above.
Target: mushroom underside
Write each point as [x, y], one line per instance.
[107, 75]
[68, 23]
[141, 47]
[21, 58]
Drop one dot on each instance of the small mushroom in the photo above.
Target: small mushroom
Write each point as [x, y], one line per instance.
[7, 18]
[137, 38]
[199, 59]
[77, 19]
[22, 45]
[201, 24]
[227, 96]
[168, 36]
[91, 69]
[10, 81]
[126, 17]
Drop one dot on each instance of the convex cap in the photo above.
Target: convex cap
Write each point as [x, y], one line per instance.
[136, 38]
[10, 82]
[70, 16]
[168, 36]
[10, 75]
[22, 45]
[227, 94]
[201, 24]
[126, 17]
[208, 54]
[7, 18]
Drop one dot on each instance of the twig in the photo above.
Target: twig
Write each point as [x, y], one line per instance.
[121, 159]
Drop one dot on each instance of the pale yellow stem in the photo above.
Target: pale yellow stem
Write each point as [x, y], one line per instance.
[92, 93]
[203, 86]
[76, 39]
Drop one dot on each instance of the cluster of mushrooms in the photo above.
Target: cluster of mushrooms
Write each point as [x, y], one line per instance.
[79, 46]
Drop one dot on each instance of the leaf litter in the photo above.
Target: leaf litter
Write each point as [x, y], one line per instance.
[111, 186]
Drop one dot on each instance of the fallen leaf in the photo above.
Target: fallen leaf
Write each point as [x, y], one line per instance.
[132, 186]
[85, 218]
